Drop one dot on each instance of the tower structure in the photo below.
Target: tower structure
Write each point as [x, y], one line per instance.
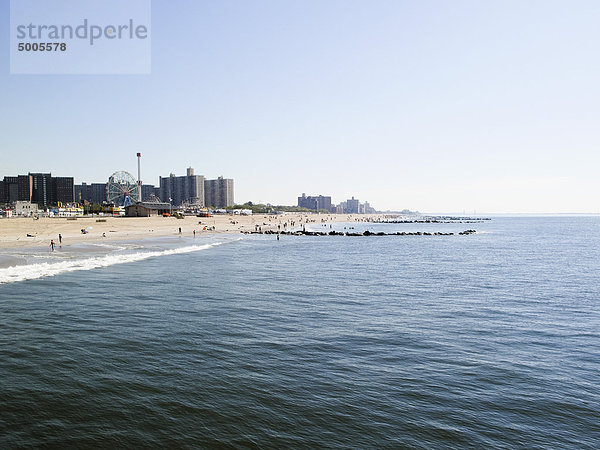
[139, 180]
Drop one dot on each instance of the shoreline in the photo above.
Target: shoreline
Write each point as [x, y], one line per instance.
[21, 232]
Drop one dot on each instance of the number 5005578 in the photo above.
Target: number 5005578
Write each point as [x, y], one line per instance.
[43, 47]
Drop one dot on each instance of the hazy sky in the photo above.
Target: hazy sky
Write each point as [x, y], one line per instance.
[440, 106]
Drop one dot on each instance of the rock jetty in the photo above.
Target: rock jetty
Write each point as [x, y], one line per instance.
[366, 233]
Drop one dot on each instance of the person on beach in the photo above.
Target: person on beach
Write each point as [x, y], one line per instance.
[52, 244]
[179, 230]
[59, 238]
[194, 233]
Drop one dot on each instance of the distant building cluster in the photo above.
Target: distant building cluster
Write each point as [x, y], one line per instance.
[316, 203]
[40, 188]
[91, 193]
[29, 192]
[321, 202]
[195, 190]
[187, 190]
[354, 206]
[24, 194]
[184, 189]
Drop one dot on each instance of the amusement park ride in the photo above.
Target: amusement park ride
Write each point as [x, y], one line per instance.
[122, 189]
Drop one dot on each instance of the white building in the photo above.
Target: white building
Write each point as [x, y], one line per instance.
[26, 209]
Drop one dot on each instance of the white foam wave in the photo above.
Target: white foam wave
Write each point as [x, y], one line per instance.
[111, 246]
[49, 269]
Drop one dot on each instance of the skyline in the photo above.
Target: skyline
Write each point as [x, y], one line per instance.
[423, 106]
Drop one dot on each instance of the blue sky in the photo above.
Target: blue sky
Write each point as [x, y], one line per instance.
[432, 105]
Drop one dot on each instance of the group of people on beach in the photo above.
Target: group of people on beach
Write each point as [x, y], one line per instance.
[53, 244]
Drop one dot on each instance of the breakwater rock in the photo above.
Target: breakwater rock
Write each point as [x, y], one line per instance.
[450, 220]
[366, 233]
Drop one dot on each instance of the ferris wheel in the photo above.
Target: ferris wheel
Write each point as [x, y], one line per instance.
[122, 189]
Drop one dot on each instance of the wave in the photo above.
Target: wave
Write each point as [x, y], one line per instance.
[48, 269]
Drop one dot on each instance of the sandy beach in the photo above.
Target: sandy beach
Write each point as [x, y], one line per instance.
[28, 232]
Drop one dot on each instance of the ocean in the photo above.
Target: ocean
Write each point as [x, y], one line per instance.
[490, 340]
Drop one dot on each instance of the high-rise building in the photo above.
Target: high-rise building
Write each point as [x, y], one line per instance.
[185, 189]
[16, 189]
[352, 206]
[218, 193]
[149, 191]
[369, 209]
[90, 193]
[41, 188]
[79, 189]
[24, 187]
[63, 190]
[315, 202]
[47, 190]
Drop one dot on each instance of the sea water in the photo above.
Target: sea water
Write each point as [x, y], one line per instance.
[485, 340]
